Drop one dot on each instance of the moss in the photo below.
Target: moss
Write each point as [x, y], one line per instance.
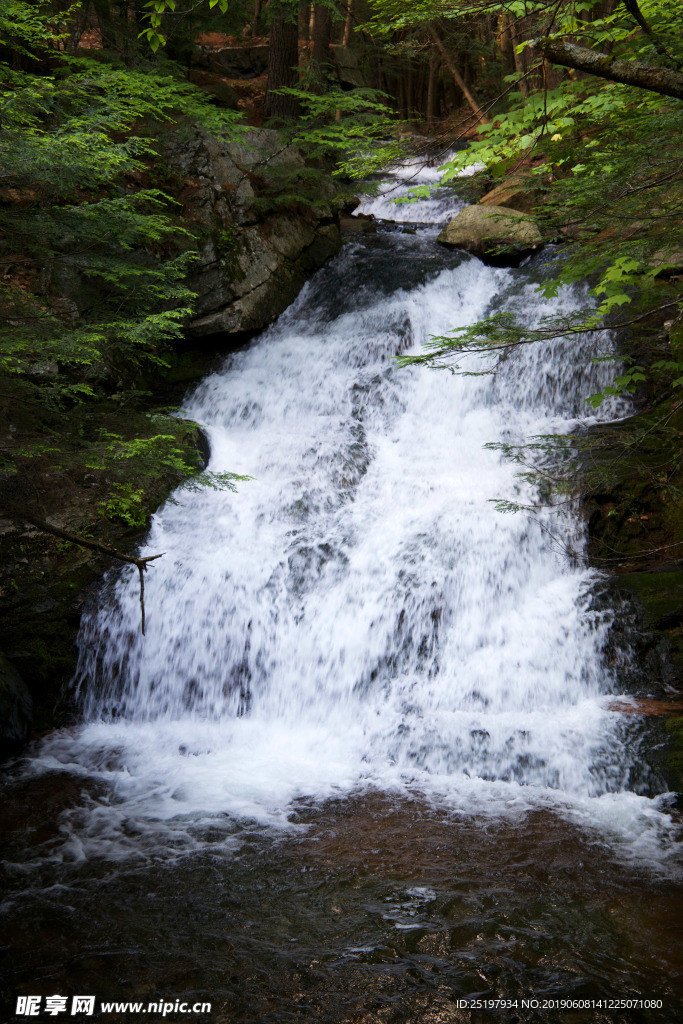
[674, 753]
[660, 595]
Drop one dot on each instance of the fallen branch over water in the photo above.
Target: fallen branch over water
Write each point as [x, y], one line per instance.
[103, 549]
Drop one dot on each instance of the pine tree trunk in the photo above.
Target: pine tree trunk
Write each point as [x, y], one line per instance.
[304, 19]
[348, 24]
[517, 57]
[283, 59]
[322, 35]
[430, 91]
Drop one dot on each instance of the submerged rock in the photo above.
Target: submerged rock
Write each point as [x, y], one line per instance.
[496, 234]
[16, 709]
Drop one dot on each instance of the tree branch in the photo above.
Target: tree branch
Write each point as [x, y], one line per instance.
[628, 72]
[103, 549]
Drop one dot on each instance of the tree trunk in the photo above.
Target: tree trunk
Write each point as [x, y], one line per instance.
[457, 77]
[304, 19]
[348, 24]
[517, 57]
[105, 24]
[256, 18]
[628, 72]
[283, 58]
[430, 91]
[322, 36]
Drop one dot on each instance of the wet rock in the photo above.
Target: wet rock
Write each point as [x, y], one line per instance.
[497, 235]
[16, 709]
[358, 224]
[253, 260]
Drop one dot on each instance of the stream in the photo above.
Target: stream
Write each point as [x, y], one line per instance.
[362, 766]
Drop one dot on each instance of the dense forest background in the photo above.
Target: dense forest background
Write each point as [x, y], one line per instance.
[573, 107]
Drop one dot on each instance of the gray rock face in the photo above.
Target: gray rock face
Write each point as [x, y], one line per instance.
[252, 262]
[349, 68]
[496, 234]
[16, 709]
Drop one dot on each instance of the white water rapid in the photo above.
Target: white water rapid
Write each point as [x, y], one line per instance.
[359, 614]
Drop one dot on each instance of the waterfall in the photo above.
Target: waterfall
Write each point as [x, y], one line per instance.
[360, 615]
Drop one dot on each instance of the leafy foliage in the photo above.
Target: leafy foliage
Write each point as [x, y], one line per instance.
[355, 130]
[93, 256]
[605, 158]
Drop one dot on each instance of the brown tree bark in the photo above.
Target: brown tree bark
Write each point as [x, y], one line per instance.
[252, 28]
[457, 77]
[348, 24]
[303, 21]
[628, 72]
[283, 59]
[430, 90]
[322, 36]
[321, 62]
[517, 57]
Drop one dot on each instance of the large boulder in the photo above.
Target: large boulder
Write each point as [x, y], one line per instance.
[496, 234]
[349, 67]
[16, 709]
[254, 256]
[246, 61]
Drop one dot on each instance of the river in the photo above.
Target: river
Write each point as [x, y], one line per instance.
[362, 766]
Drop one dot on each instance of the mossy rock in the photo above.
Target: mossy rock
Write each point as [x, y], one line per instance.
[16, 709]
[674, 754]
[496, 234]
[660, 595]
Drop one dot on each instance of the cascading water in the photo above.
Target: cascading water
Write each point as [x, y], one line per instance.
[359, 615]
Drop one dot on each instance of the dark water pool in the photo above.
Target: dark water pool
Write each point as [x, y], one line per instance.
[370, 911]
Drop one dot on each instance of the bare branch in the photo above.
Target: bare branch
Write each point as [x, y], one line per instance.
[103, 549]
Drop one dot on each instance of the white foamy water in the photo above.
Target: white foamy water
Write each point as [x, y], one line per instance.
[359, 614]
[439, 208]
